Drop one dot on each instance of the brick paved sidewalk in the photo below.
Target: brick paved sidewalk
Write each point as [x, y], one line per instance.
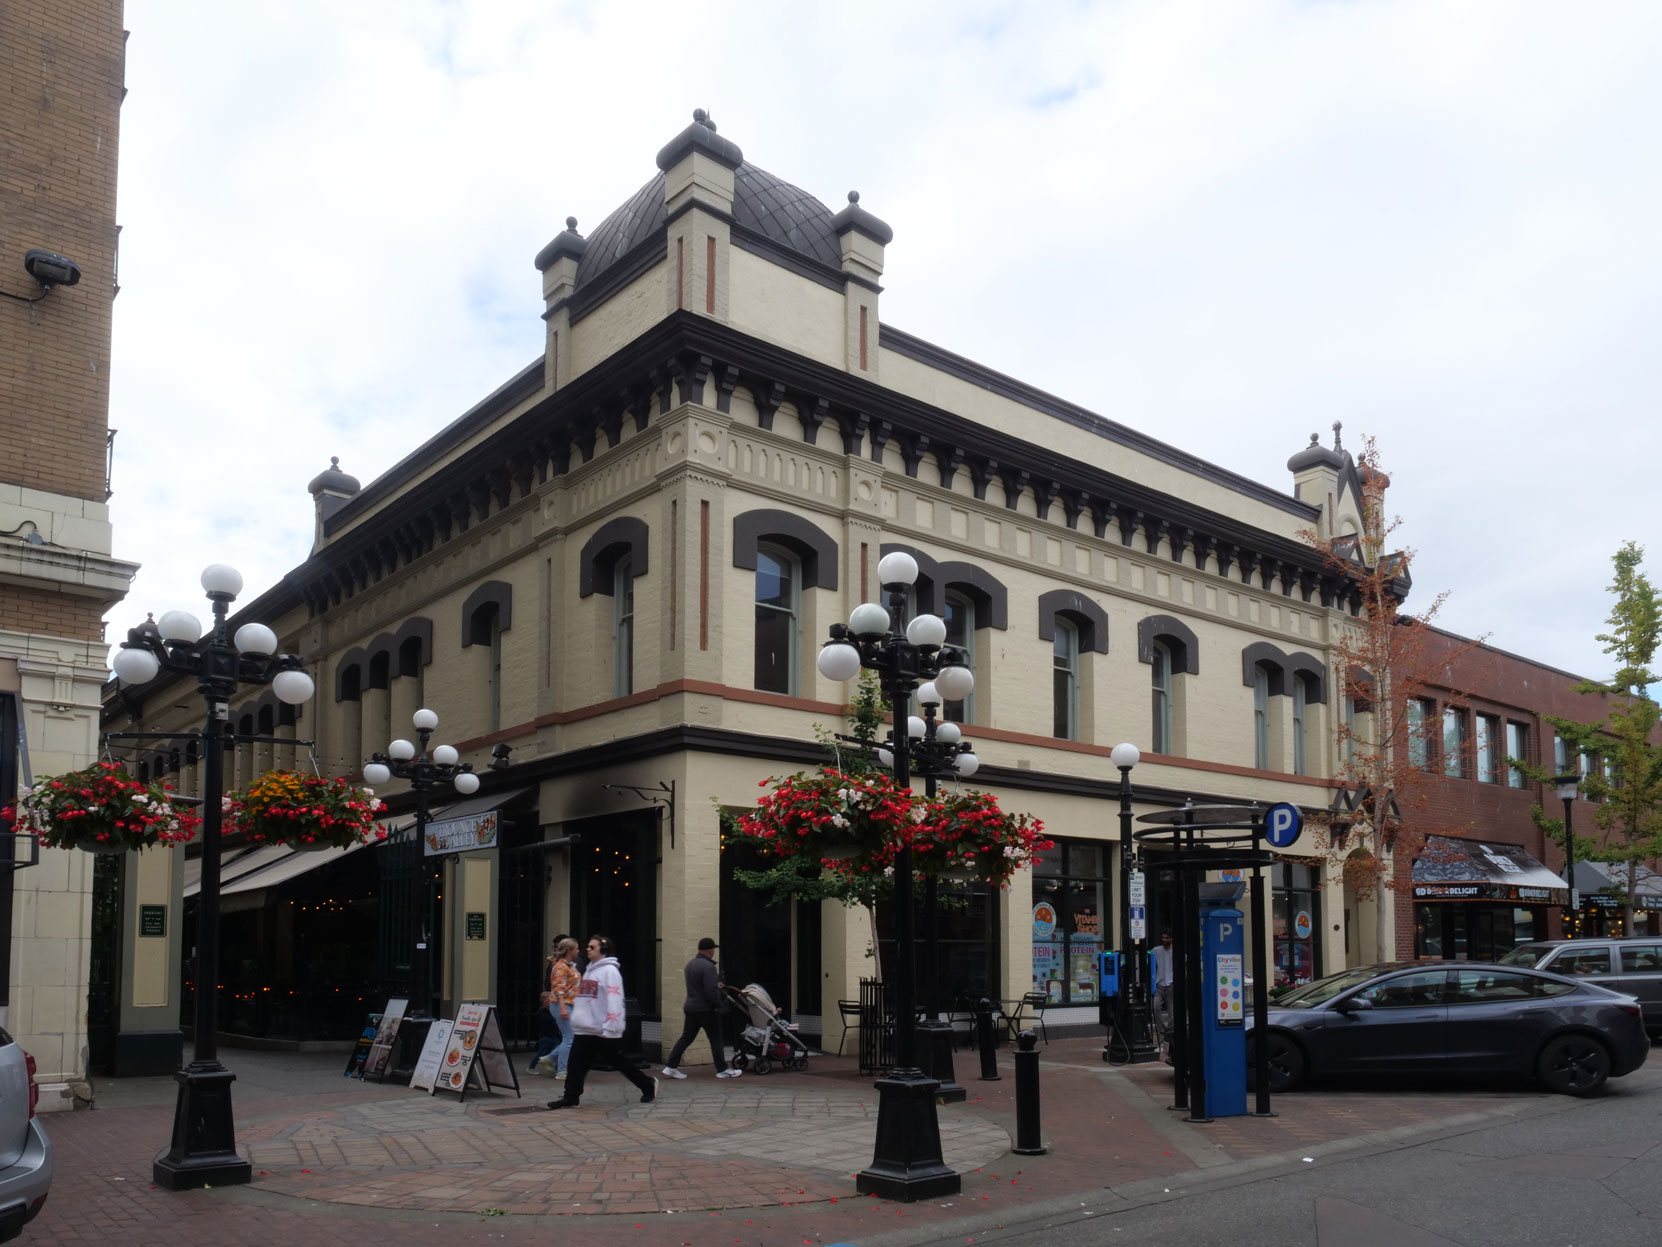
[752, 1160]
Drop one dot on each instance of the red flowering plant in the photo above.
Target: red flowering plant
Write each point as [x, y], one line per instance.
[103, 809]
[306, 812]
[831, 815]
[966, 835]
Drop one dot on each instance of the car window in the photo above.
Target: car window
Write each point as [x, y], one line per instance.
[1642, 957]
[1484, 986]
[1582, 961]
[1527, 955]
[1318, 991]
[1407, 991]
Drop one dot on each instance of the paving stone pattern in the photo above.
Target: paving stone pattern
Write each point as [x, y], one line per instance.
[742, 1161]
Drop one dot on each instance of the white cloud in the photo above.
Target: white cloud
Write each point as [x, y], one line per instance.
[1227, 224]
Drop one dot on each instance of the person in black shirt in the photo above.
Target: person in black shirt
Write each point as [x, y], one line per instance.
[703, 1011]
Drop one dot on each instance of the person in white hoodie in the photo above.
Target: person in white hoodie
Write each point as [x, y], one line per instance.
[597, 1027]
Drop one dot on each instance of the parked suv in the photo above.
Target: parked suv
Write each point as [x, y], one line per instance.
[25, 1151]
[1632, 966]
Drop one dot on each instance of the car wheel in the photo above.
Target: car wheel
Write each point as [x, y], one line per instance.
[1285, 1061]
[1574, 1065]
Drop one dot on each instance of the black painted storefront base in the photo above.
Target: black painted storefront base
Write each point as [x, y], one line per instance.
[140, 1054]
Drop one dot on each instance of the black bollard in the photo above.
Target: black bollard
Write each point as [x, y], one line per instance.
[984, 1040]
[1027, 1097]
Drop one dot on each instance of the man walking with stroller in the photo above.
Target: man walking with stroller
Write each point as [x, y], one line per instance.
[703, 1011]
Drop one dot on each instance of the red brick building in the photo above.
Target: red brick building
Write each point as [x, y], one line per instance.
[1472, 892]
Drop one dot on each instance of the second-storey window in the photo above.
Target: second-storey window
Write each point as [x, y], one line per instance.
[623, 627]
[1261, 718]
[778, 611]
[959, 614]
[1161, 682]
[1065, 681]
[1420, 711]
[1517, 746]
[1454, 742]
[1488, 736]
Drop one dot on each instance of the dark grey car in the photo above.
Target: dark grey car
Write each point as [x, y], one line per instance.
[1632, 966]
[25, 1152]
[1442, 1018]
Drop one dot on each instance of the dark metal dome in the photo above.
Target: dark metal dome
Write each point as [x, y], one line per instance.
[762, 204]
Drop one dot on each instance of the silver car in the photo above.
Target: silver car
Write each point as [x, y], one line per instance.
[25, 1151]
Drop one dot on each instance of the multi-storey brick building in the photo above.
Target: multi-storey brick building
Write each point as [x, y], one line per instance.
[1471, 891]
[61, 61]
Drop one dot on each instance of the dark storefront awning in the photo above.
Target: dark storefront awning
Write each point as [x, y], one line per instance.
[1603, 883]
[1450, 869]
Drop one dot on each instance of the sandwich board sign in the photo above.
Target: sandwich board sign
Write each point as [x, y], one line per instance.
[380, 1052]
[474, 1053]
[433, 1052]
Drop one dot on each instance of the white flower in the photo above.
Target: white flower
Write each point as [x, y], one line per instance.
[839, 822]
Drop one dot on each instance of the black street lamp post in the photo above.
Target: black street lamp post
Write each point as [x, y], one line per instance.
[940, 752]
[425, 772]
[907, 1164]
[1131, 1015]
[204, 1148]
[1567, 786]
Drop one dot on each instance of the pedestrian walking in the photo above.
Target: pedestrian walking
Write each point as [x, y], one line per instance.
[548, 966]
[1162, 991]
[597, 1025]
[564, 979]
[548, 1030]
[703, 1011]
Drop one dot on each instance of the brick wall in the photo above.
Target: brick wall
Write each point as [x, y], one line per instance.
[1485, 681]
[61, 62]
[42, 612]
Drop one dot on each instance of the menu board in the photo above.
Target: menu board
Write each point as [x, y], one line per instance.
[474, 1052]
[493, 1060]
[464, 1044]
[432, 1056]
[380, 1053]
[360, 1050]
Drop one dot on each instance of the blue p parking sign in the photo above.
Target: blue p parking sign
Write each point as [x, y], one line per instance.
[1282, 824]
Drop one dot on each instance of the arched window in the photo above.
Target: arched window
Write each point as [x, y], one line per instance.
[1300, 706]
[623, 627]
[1261, 717]
[1161, 684]
[959, 613]
[778, 619]
[1065, 680]
[411, 661]
[485, 630]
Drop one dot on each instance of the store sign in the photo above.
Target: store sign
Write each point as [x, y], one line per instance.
[152, 920]
[1486, 892]
[459, 835]
[1044, 920]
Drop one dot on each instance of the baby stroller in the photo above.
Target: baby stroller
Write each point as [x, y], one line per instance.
[769, 1040]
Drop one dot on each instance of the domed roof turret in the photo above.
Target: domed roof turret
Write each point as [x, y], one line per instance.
[764, 207]
[1315, 455]
[333, 480]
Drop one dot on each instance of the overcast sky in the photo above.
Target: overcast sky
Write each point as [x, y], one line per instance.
[1227, 224]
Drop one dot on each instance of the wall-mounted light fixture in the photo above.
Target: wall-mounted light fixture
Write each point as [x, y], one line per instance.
[49, 269]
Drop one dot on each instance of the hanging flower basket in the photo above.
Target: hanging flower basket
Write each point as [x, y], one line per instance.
[102, 809]
[966, 837]
[306, 812]
[831, 815]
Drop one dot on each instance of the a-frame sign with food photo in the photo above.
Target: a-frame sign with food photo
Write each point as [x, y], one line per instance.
[476, 1055]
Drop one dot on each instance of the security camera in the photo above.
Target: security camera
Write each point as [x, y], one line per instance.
[51, 269]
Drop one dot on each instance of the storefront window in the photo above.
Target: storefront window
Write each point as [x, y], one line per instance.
[1475, 930]
[1297, 923]
[1070, 901]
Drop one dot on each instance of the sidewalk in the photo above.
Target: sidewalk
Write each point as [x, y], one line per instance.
[758, 1159]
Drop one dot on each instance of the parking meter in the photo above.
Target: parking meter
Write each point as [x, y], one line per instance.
[1108, 966]
[1223, 1011]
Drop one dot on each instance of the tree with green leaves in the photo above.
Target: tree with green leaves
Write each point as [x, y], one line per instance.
[1622, 776]
[801, 876]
